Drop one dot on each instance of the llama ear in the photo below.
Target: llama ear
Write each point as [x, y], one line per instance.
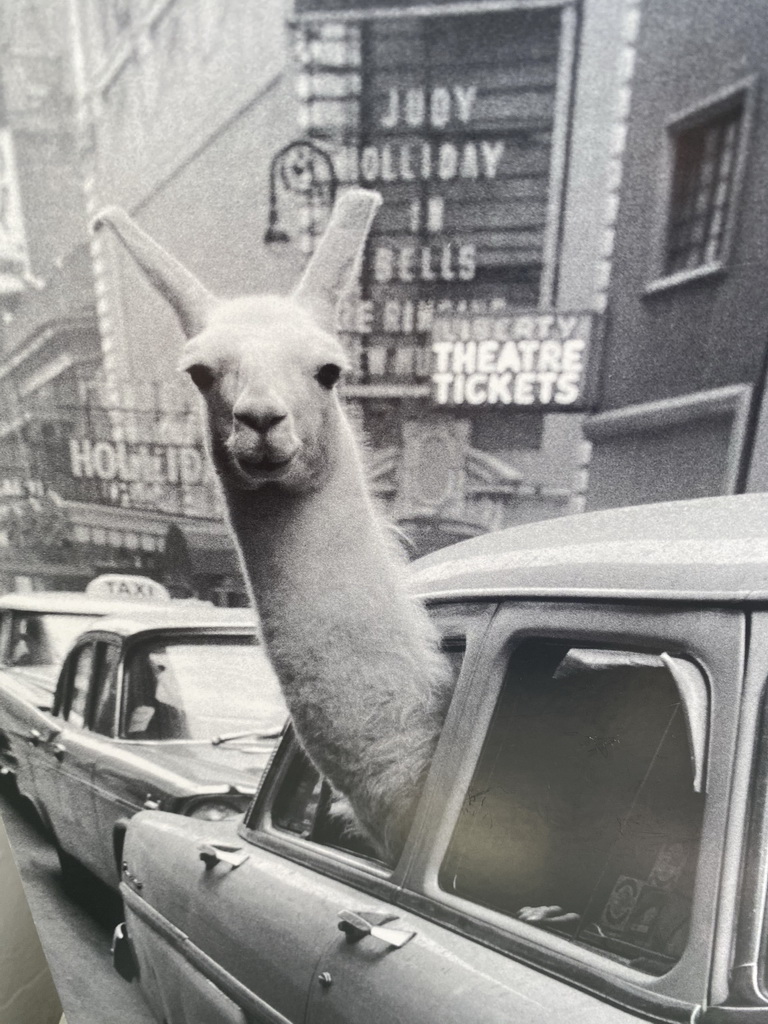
[191, 302]
[335, 262]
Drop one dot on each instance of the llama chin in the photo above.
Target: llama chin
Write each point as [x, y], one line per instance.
[357, 658]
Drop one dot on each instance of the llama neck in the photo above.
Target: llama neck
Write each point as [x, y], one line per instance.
[356, 657]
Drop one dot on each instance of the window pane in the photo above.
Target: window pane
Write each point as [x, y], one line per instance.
[174, 689]
[42, 639]
[105, 686]
[583, 800]
[296, 804]
[307, 806]
[702, 185]
[81, 679]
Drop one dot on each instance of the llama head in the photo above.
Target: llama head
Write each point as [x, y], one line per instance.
[266, 366]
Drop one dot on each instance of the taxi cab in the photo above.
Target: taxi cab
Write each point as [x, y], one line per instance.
[36, 629]
[174, 707]
[591, 840]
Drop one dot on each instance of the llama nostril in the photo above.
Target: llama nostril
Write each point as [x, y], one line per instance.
[262, 423]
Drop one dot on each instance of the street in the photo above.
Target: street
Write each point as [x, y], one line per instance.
[75, 934]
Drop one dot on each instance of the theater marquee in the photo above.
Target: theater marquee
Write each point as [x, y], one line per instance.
[527, 360]
[453, 120]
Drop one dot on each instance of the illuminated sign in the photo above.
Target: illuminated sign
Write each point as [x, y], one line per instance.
[452, 121]
[164, 477]
[527, 360]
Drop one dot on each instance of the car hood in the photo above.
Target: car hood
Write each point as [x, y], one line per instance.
[201, 763]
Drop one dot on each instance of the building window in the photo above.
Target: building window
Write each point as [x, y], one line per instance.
[704, 178]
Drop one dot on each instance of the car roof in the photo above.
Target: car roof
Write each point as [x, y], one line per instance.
[709, 549]
[75, 603]
[171, 617]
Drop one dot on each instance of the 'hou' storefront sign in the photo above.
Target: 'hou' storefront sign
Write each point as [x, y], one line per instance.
[526, 360]
[172, 478]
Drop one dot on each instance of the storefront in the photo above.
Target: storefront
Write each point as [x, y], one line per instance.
[98, 487]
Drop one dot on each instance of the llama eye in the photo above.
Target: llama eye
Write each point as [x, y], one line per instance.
[201, 376]
[328, 375]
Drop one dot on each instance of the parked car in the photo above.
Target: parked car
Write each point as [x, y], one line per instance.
[175, 708]
[590, 843]
[37, 629]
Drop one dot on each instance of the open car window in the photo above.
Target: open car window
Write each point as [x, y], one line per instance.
[306, 806]
[585, 810]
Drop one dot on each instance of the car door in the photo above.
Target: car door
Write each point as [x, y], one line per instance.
[254, 912]
[739, 990]
[66, 766]
[566, 859]
[22, 723]
[109, 771]
[24, 730]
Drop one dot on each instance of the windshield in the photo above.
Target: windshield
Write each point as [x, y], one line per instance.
[42, 638]
[199, 689]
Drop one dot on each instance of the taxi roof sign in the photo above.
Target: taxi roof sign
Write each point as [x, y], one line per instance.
[121, 587]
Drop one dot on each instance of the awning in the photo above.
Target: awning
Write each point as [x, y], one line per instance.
[194, 556]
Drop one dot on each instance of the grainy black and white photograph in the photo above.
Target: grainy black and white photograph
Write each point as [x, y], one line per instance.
[383, 511]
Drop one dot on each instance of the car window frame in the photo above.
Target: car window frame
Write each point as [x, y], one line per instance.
[456, 621]
[6, 618]
[105, 642]
[743, 964]
[62, 705]
[647, 626]
[151, 634]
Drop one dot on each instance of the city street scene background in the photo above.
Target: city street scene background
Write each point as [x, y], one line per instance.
[562, 306]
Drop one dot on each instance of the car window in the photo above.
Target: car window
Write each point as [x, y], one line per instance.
[200, 688]
[582, 814]
[306, 806]
[80, 672]
[105, 689]
[40, 638]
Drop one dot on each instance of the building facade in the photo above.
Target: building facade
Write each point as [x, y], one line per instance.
[494, 131]
[93, 478]
[49, 339]
[682, 399]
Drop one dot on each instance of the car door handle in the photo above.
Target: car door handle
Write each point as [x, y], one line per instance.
[222, 853]
[35, 737]
[356, 927]
[58, 750]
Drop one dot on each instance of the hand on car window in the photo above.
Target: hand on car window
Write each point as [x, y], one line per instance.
[546, 915]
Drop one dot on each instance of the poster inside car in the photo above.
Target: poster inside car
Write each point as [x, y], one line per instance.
[515, 358]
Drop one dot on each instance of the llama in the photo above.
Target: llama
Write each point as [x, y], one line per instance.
[357, 658]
